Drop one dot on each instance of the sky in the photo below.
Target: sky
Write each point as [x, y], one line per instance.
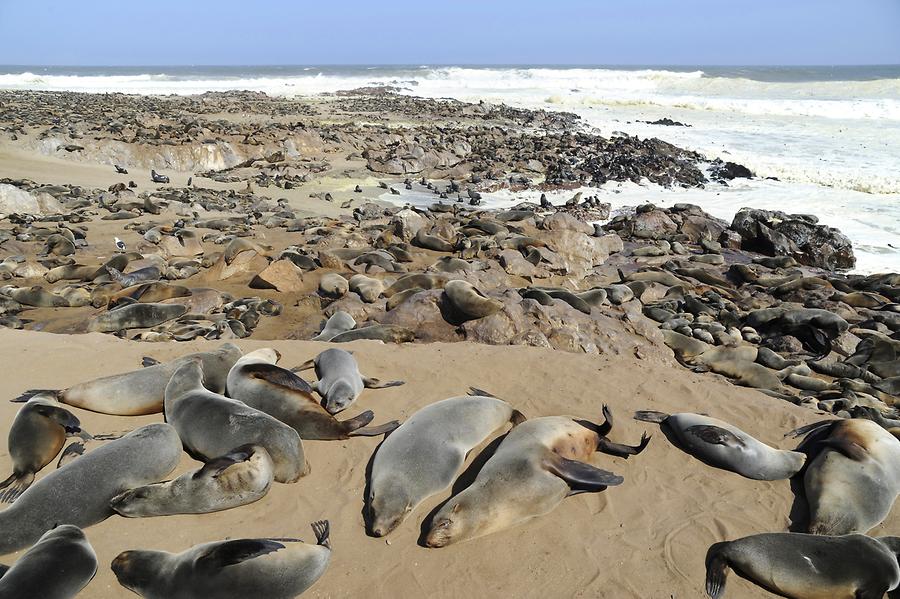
[281, 32]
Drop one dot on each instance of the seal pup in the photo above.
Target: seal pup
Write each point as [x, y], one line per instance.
[340, 381]
[257, 381]
[235, 569]
[211, 425]
[807, 566]
[79, 493]
[237, 478]
[140, 392]
[36, 436]
[58, 566]
[537, 465]
[853, 476]
[425, 454]
[339, 322]
[721, 445]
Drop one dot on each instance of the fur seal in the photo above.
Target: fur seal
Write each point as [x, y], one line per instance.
[237, 478]
[425, 454]
[807, 566]
[140, 392]
[388, 333]
[421, 280]
[79, 493]
[136, 316]
[853, 475]
[257, 381]
[367, 288]
[235, 569]
[724, 446]
[537, 465]
[339, 322]
[58, 566]
[36, 436]
[340, 381]
[211, 425]
[469, 301]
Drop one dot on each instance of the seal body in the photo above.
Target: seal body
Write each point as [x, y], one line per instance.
[853, 477]
[211, 425]
[79, 493]
[425, 454]
[240, 477]
[58, 566]
[237, 569]
[807, 566]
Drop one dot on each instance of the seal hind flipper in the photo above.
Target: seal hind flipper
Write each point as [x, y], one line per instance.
[235, 552]
[476, 392]
[357, 422]
[517, 418]
[373, 383]
[322, 530]
[579, 475]
[217, 466]
[74, 449]
[621, 450]
[809, 428]
[374, 431]
[305, 366]
[607, 425]
[276, 375]
[35, 392]
[147, 361]
[15, 485]
[716, 571]
[650, 416]
[715, 435]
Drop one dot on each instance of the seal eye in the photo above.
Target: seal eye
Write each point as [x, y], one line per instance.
[444, 524]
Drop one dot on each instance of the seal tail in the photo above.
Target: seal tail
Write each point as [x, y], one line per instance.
[34, 392]
[650, 416]
[15, 485]
[322, 530]
[374, 431]
[716, 571]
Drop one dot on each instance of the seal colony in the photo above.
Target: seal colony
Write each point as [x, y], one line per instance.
[340, 232]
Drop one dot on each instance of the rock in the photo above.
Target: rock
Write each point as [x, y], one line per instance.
[407, 223]
[281, 275]
[580, 253]
[727, 171]
[515, 264]
[783, 344]
[13, 199]
[562, 221]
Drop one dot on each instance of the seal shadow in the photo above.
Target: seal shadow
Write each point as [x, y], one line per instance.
[462, 482]
[799, 514]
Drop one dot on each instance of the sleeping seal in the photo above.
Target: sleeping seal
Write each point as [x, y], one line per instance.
[722, 445]
[236, 569]
[340, 381]
[58, 566]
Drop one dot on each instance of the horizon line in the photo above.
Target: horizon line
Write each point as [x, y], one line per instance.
[455, 64]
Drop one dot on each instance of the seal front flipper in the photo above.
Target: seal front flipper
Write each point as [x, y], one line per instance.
[715, 435]
[621, 450]
[35, 392]
[235, 552]
[373, 383]
[276, 375]
[75, 449]
[322, 530]
[716, 571]
[581, 477]
[217, 466]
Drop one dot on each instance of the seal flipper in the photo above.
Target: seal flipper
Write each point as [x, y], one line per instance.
[217, 466]
[581, 477]
[621, 450]
[34, 392]
[305, 366]
[373, 383]
[650, 416]
[716, 571]
[848, 448]
[147, 361]
[276, 375]
[715, 435]
[373, 431]
[15, 485]
[72, 451]
[235, 552]
[322, 530]
[476, 392]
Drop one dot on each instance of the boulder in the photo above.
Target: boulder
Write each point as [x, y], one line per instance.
[281, 275]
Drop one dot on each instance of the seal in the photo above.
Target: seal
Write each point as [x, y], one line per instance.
[58, 566]
[36, 436]
[425, 454]
[258, 382]
[469, 301]
[235, 569]
[340, 381]
[237, 478]
[853, 476]
[388, 333]
[79, 493]
[537, 465]
[211, 425]
[721, 445]
[339, 322]
[140, 392]
[135, 316]
[807, 566]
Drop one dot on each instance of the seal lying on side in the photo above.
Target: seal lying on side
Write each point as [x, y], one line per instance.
[237, 478]
[79, 493]
[425, 454]
[236, 569]
[807, 566]
[58, 566]
[538, 464]
[853, 475]
[257, 381]
[722, 445]
[142, 391]
[35, 438]
[340, 381]
[211, 425]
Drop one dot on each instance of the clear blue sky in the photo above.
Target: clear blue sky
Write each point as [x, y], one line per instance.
[246, 32]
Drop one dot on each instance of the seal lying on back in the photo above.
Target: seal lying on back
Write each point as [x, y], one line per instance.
[79, 493]
[425, 454]
[35, 438]
[142, 391]
[211, 425]
[340, 381]
[722, 445]
[807, 566]
[257, 381]
[853, 475]
[236, 569]
[538, 464]
[237, 478]
[58, 566]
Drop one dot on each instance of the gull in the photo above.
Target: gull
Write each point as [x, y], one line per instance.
[120, 245]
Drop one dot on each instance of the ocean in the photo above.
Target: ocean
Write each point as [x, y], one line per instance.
[829, 135]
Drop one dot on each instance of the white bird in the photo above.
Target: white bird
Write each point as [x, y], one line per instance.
[120, 245]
